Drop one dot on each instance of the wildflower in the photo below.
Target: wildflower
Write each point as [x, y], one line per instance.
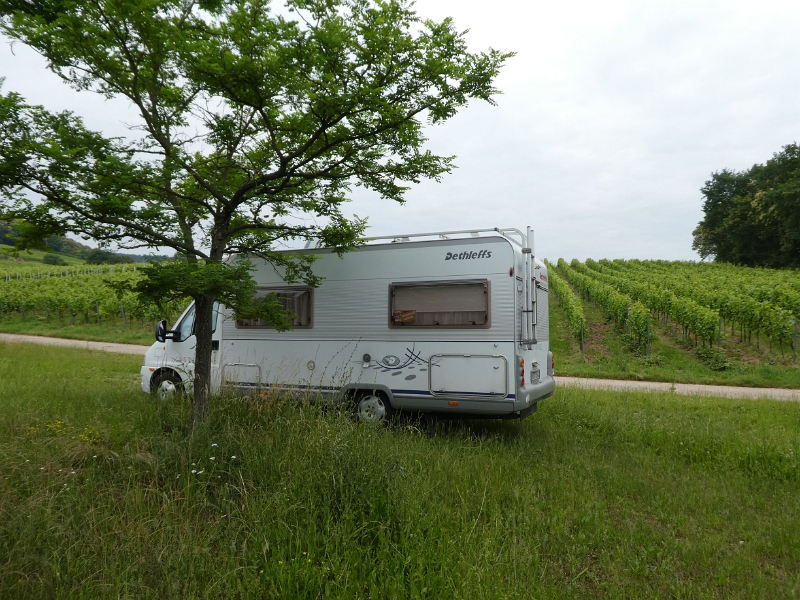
[233, 457]
[213, 458]
[194, 471]
[95, 456]
[41, 468]
[201, 472]
[214, 446]
[27, 460]
[280, 562]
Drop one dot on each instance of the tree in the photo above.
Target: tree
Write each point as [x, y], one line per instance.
[53, 259]
[753, 217]
[96, 256]
[254, 126]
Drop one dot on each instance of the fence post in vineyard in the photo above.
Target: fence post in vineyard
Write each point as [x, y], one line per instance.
[794, 342]
[97, 310]
[122, 311]
[648, 334]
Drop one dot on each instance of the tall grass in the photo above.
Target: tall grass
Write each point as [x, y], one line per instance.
[103, 493]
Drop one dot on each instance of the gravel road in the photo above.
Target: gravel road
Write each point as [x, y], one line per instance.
[687, 389]
[51, 341]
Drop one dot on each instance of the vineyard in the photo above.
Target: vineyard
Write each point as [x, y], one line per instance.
[705, 304]
[79, 294]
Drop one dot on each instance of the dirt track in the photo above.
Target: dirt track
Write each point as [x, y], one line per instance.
[51, 341]
[687, 389]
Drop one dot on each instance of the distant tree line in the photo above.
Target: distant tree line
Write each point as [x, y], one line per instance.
[753, 217]
[69, 247]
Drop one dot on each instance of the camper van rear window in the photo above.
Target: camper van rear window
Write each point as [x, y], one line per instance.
[297, 300]
[439, 304]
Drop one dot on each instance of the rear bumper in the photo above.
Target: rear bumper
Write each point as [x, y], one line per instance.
[533, 392]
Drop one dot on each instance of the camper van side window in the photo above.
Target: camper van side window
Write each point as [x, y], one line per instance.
[297, 300]
[439, 304]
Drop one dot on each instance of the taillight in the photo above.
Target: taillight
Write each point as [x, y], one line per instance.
[521, 372]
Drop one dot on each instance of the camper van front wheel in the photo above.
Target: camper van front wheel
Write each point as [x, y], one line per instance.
[166, 386]
[373, 407]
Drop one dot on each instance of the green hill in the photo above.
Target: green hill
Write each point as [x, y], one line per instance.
[35, 257]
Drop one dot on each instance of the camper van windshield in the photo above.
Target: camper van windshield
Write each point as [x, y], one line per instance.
[445, 303]
[186, 327]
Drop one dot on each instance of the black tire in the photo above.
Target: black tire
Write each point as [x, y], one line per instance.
[373, 407]
[166, 385]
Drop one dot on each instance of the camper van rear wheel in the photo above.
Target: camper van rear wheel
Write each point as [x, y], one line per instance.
[373, 407]
[166, 386]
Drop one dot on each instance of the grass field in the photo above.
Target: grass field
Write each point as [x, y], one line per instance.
[607, 356]
[103, 493]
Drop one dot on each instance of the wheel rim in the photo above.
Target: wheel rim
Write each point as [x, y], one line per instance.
[371, 409]
[166, 389]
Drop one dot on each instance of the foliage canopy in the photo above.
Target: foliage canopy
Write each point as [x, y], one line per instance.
[753, 217]
[253, 127]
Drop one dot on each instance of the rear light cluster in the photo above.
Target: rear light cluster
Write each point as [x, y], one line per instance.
[521, 372]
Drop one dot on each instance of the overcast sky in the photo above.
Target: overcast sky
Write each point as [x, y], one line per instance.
[613, 115]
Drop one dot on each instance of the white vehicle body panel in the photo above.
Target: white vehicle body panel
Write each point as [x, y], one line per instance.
[352, 343]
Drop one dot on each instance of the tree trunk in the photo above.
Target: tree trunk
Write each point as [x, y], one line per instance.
[203, 306]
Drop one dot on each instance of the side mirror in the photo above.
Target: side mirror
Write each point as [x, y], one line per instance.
[161, 331]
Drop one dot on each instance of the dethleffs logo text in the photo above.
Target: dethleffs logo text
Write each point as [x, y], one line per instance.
[468, 255]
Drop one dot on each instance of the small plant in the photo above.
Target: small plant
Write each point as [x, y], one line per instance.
[652, 360]
[633, 343]
[713, 359]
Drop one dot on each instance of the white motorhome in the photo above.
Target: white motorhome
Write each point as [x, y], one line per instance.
[450, 322]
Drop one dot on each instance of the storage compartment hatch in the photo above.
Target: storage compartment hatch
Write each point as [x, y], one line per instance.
[468, 375]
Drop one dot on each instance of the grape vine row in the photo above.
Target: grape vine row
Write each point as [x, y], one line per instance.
[625, 310]
[731, 303]
[573, 308]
